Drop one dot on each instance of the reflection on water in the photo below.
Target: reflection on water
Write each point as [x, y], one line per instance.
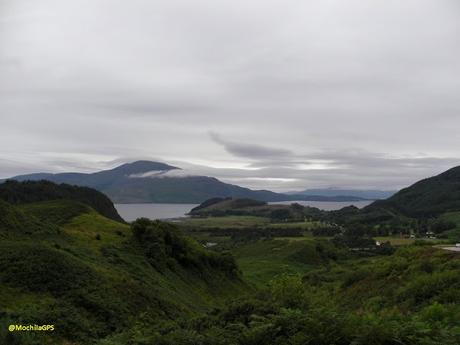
[130, 212]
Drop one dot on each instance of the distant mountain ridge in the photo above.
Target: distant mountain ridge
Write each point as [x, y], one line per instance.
[154, 182]
[101, 178]
[370, 194]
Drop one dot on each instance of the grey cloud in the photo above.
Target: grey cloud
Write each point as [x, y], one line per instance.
[251, 151]
[350, 168]
[153, 109]
[10, 168]
[323, 93]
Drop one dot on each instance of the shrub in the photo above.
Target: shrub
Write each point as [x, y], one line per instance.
[287, 290]
[163, 242]
[42, 269]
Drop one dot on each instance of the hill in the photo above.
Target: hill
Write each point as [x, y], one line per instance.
[430, 207]
[369, 194]
[427, 198]
[103, 282]
[64, 263]
[14, 222]
[15, 192]
[153, 182]
[222, 207]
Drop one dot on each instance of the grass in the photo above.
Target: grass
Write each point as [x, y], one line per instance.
[93, 272]
[56, 212]
[11, 298]
[225, 222]
[452, 216]
[306, 237]
[395, 241]
[262, 261]
[95, 231]
[302, 225]
[244, 222]
[112, 278]
[92, 276]
[454, 234]
[403, 241]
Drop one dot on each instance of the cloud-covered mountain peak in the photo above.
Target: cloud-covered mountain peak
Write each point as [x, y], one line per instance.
[142, 167]
[172, 173]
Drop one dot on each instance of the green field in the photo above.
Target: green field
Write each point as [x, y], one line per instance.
[224, 222]
[394, 240]
[244, 222]
[454, 234]
[262, 261]
[303, 225]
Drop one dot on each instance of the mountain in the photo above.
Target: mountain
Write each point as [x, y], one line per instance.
[369, 194]
[427, 198]
[153, 182]
[102, 179]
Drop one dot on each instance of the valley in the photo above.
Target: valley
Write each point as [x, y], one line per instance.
[236, 271]
[179, 172]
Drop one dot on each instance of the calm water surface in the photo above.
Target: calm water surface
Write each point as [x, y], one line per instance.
[130, 212]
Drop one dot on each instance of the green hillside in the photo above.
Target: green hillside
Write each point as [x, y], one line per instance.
[425, 209]
[15, 192]
[430, 197]
[63, 263]
[104, 282]
[14, 222]
[263, 261]
[57, 212]
[319, 295]
[452, 219]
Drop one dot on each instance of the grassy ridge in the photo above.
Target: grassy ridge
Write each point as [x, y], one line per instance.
[19, 193]
[14, 222]
[56, 212]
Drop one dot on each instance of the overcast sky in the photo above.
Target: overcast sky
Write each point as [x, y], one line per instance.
[282, 95]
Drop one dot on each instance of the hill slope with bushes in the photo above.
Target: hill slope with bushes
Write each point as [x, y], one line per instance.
[430, 197]
[105, 282]
[64, 263]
